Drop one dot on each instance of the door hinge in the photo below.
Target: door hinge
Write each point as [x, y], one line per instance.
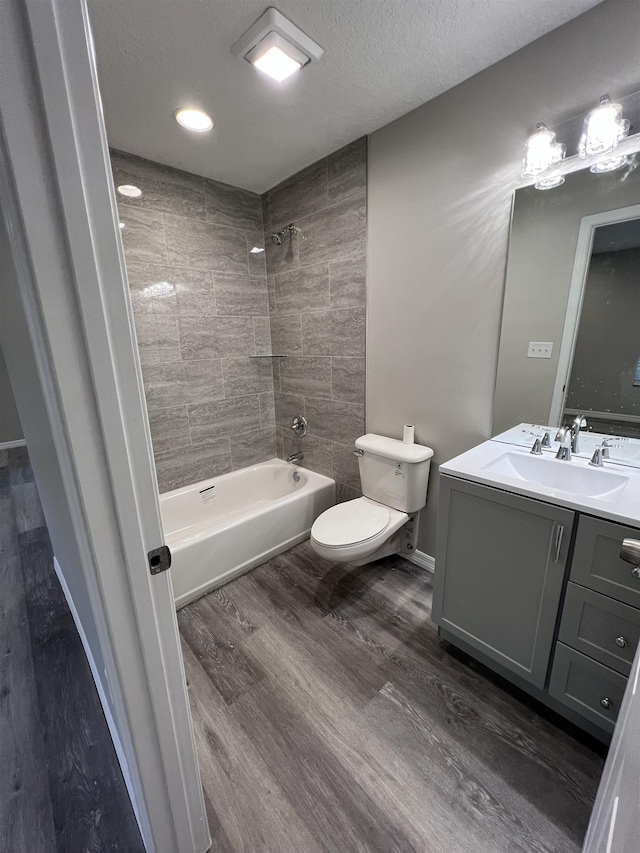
[159, 559]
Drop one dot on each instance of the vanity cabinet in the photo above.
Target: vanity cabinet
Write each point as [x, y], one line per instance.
[501, 561]
[538, 592]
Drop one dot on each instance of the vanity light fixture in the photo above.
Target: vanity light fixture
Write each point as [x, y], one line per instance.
[604, 128]
[541, 152]
[129, 191]
[276, 46]
[193, 119]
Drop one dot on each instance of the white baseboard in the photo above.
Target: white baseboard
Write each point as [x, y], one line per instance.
[100, 687]
[425, 561]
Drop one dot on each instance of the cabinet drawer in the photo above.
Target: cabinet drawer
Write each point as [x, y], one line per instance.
[600, 627]
[596, 560]
[586, 686]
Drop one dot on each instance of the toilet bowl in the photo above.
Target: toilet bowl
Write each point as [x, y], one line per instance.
[394, 477]
[356, 530]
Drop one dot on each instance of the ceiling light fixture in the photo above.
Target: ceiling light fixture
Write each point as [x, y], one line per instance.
[192, 119]
[276, 46]
[129, 191]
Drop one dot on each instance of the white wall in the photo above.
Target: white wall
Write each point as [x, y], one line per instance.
[440, 187]
[10, 429]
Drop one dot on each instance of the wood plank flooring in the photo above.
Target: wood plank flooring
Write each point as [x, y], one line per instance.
[329, 717]
[61, 788]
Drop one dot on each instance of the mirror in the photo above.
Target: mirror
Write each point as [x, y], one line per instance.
[565, 250]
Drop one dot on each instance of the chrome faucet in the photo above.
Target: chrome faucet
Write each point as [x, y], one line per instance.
[295, 457]
[579, 422]
[564, 451]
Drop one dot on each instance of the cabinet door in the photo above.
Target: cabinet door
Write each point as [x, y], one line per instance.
[500, 565]
[596, 561]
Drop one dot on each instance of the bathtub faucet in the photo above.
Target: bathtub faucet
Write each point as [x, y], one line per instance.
[295, 457]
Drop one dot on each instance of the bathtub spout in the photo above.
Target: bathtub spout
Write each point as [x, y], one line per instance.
[295, 458]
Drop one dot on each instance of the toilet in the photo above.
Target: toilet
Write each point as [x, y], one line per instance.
[394, 478]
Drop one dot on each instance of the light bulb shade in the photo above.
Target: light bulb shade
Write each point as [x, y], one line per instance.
[604, 127]
[541, 151]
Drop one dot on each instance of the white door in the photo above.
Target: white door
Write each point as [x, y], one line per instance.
[67, 334]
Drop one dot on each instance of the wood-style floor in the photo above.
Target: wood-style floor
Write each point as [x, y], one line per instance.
[330, 717]
[61, 788]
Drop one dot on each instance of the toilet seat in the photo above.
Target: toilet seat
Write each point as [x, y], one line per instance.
[350, 523]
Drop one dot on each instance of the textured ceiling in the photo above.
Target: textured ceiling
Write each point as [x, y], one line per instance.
[382, 58]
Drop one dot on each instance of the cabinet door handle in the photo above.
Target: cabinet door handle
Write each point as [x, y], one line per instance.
[558, 543]
[621, 642]
[606, 703]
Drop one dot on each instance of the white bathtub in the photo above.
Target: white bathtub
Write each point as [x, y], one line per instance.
[219, 528]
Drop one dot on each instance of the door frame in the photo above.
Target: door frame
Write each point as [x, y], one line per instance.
[67, 334]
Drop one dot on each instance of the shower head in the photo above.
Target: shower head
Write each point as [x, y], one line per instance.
[276, 239]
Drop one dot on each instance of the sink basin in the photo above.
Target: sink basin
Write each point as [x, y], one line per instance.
[551, 473]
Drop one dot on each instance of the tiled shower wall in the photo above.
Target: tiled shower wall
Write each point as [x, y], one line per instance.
[317, 310]
[200, 304]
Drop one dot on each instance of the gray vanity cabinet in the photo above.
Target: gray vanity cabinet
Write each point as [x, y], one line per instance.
[501, 562]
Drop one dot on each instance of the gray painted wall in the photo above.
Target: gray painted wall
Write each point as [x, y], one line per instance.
[542, 247]
[10, 428]
[317, 293]
[440, 187]
[210, 405]
[608, 342]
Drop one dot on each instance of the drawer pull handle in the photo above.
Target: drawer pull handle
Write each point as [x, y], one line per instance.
[558, 543]
[635, 571]
[606, 703]
[621, 642]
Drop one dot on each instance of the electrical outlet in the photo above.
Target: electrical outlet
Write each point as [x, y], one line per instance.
[539, 349]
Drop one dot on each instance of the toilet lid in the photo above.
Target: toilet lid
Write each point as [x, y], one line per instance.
[349, 523]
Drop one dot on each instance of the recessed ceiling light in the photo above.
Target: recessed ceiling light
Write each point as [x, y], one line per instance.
[194, 120]
[129, 190]
[276, 46]
[256, 250]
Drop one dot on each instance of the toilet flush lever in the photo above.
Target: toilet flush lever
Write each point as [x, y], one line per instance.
[358, 452]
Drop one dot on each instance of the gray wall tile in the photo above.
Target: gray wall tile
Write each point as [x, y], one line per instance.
[216, 337]
[300, 194]
[201, 245]
[308, 376]
[143, 235]
[336, 231]
[303, 289]
[342, 422]
[257, 260]
[215, 420]
[164, 189]
[185, 465]
[279, 443]
[241, 294]
[183, 337]
[347, 282]
[287, 407]
[250, 448]
[157, 337]
[169, 428]
[345, 465]
[340, 332]
[347, 171]
[286, 334]
[347, 379]
[262, 335]
[318, 452]
[267, 410]
[244, 376]
[232, 206]
[204, 381]
[345, 493]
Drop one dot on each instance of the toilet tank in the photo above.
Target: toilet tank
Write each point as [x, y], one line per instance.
[394, 473]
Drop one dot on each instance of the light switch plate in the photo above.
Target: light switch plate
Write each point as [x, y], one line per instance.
[539, 349]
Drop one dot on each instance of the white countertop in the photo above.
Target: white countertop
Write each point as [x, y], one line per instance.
[473, 465]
